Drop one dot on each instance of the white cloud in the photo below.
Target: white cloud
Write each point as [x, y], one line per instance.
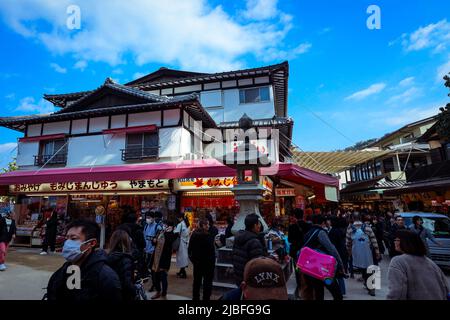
[277, 54]
[29, 105]
[81, 64]
[138, 75]
[373, 89]
[261, 9]
[406, 82]
[410, 115]
[442, 70]
[117, 71]
[58, 68]
[406, 96]
[434, 35]
[7, 147]
[324, 30]
[188, 33]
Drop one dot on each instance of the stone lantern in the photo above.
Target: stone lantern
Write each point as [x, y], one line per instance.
[247, 192]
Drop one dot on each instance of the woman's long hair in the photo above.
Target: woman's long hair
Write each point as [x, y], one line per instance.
[185, 219]
[119, 242]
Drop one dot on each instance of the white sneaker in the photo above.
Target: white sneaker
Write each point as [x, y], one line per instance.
[43, 253]
[2, 267]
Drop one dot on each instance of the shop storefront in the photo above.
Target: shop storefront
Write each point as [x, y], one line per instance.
[213, 195]
[103, 201]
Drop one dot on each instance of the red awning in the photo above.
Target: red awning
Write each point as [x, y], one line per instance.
[138, 129]
[167, 170]
[46, 137]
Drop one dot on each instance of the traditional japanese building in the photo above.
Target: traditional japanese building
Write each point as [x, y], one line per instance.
[143, 145]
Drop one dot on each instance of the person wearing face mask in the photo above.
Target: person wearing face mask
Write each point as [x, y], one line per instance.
[151, 230]
[98, 281]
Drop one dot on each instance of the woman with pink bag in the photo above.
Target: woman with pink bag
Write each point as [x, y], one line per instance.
[317, 239]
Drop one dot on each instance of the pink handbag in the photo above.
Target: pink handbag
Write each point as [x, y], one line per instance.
[317, 265]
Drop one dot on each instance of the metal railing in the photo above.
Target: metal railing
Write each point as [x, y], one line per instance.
[51, 159]
[138, 153]
[431, 171]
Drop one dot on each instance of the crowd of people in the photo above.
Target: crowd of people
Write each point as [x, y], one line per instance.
[142, 248]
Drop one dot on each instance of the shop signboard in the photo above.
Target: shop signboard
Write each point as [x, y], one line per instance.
[91, 187]
[216, 183]
[285, 192]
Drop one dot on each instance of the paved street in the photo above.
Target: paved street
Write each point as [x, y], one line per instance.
[28, 274]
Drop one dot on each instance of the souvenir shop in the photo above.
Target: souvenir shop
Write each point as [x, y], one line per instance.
[213, 195]
[105, 202]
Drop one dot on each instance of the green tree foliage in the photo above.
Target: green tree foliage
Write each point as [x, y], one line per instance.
[359, 145]
[443, 123]
[12, 166]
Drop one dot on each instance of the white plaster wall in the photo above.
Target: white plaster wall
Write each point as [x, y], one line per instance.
[95, 150]
[34, 130]
[196, 87]
[56, 127]
[118, 121]
[234, 110]
[144, 118]
[79, 126]
[171, 117]
[211, 98]
[26, 152]
[170, 142]
[98, 124]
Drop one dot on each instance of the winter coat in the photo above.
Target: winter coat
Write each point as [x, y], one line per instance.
[378, 229]
[296, 237]
[51, 225]
[337, 238]
[162, 256]
[201, 248]
[150, 233]
[3, 230]
[136, 234]
[99, 282]
[317, 238]
[182, 253]
[247, 246]
[123, 264]
[424, 234]
[416, 278]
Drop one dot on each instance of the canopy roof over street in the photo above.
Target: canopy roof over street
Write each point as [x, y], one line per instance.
[334, 162]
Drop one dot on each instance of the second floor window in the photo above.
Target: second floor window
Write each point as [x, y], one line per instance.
[52, 152]
[141, 145]
[254, 95]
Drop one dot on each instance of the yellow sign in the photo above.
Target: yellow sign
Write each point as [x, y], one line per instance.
[215, 183]
[91, 187]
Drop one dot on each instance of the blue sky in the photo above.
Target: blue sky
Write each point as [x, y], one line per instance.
[347, 83]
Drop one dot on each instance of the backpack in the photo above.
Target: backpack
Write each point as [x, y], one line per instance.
[361, 248]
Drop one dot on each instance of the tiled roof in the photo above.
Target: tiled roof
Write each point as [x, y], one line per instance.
[279, 74]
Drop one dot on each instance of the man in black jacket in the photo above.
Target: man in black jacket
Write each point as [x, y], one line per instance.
[98, 282]
[247, 245]
[202, 253]
[51, 227]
